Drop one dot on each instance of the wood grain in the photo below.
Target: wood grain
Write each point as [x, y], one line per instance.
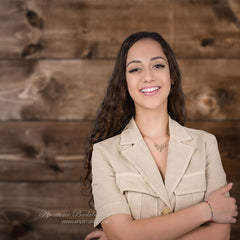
[52, 89]
[73, 89]
[228, 137]
[42, 150]
[44, 211]
[207, 29]
[49, 211]
[211, 88]
[91, 29]
[56, 58]
[53, 151]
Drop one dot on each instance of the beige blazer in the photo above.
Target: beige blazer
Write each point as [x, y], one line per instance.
[126, 179]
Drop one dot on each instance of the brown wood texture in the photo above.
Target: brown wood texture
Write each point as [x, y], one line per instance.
[73, 89]
[44, 211]
[41, 151]
[52, 89]
[50, 211]
[90, 29]
[54, 151]
[207, 28]
[211, 88]
[56, 58]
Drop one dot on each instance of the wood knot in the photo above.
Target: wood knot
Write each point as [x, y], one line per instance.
[55, 167]
[31, 49]
[30, 151]
[225, 96]
[207, 42]
[19, 229]
[87, 53]
[203, 102]
[34, 20]
[42, 152]
[210, 102]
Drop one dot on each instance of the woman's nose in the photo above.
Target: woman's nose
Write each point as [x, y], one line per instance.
[148, 76]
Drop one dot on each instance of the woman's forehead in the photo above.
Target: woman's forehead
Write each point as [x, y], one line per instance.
[145, 48]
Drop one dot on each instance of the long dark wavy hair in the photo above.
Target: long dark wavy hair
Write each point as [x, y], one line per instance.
[118, 108]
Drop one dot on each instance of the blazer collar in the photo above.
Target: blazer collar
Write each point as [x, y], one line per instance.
[131, 133]
[179, 155]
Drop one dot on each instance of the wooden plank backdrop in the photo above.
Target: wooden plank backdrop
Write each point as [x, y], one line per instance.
[56, 57]
[95, 29]
[73, 89]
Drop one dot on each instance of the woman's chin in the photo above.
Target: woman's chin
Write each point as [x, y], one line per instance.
[151, 107]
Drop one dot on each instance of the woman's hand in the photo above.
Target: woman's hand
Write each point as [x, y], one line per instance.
[96, 234]
[224, 208]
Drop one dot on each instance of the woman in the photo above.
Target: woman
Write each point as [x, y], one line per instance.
[153, 178]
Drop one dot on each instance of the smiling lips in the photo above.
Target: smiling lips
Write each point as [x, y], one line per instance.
[149, 91]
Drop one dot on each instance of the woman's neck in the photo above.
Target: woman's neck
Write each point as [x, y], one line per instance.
[153, 124]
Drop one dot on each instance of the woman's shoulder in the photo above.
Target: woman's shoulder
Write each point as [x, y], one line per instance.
[200, 134]
[112, 141]
[128, 134]
[181, 132]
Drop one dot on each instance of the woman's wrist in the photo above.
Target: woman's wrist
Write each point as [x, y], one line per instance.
[206, 212]
[210, 207]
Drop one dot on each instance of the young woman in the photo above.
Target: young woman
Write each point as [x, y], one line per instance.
[153, 178]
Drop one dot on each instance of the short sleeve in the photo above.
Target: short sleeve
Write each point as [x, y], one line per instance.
[215, 175]
[108, 200]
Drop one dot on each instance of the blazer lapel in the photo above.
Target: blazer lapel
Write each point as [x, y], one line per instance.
[180, 151]
[179, 155]
[139, 155]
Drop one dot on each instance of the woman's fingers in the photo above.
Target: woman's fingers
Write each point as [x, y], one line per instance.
[233, 220]
[103, 237]
[224, 208]
[225, 189]
[94, 234]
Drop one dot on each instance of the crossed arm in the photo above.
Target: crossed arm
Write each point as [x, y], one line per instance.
[213, 231]
[181, 225]
[210, 231]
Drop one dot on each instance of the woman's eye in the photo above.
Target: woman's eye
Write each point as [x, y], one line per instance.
[134, 70]
[159, 66]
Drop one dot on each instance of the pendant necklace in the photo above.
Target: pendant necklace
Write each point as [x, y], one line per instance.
[159, 147]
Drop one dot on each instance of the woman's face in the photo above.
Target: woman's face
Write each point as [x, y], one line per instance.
[148, 75]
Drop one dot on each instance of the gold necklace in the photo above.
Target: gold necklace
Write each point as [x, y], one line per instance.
[159, 147]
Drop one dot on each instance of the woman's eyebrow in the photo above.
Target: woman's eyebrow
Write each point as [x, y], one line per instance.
[134, 61]
[154, 58]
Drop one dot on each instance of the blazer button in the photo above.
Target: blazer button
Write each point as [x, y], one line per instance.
[166, 211]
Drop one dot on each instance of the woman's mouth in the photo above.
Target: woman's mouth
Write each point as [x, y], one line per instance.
[149, 91]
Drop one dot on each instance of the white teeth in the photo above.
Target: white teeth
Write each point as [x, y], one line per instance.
[149, 89]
